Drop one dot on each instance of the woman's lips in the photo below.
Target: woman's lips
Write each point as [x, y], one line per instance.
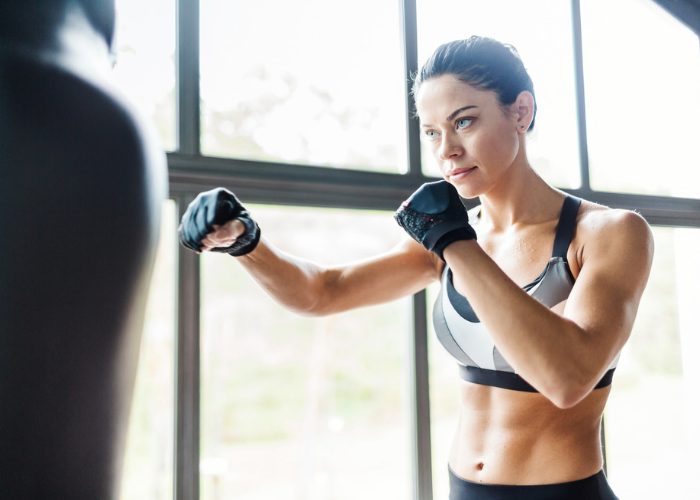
[460, 173]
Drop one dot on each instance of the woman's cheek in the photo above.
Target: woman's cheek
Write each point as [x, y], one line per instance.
[502, 149]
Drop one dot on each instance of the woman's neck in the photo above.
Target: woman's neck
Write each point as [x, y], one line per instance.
[521, 198]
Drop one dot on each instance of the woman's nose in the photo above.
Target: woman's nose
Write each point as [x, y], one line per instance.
[449, 147]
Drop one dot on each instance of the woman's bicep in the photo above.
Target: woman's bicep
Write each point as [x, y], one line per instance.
[615, 269]
[402, 271]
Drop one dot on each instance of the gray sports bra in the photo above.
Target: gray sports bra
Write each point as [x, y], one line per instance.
[469, 342]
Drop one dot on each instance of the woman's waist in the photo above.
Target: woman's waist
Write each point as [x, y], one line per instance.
[504, 409]
[526, 440]
[509, 459]
[593, 487]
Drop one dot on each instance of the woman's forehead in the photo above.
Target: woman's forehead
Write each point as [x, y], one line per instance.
[438, 97]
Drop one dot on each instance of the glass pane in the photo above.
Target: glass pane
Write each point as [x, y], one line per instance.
[541, 31]
[148, 463]
[642, 99]
[444, 402]
[326, 89]
[652, 435]
[145, 65]
[299, 407]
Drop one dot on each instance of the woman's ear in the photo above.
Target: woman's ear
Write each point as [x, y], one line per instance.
[524, 110]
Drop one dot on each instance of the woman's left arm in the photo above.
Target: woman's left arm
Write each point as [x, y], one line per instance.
[563, 355]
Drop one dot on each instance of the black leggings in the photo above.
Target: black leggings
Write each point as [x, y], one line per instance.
[594, 487]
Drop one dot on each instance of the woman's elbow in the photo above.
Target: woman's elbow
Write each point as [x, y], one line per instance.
[309, 306]
[313, 310]
[565, 399]
[318, 301]
[569, 390]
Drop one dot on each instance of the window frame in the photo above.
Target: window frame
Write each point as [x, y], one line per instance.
[285, 184]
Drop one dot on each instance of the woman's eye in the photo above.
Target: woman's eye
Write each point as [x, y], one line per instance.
[430, 135]
[463, 123]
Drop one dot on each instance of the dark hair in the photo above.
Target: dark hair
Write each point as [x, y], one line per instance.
[482, 62]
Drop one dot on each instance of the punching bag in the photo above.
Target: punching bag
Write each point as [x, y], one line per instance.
[81, 185]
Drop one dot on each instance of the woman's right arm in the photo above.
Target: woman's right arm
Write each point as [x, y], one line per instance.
[217, 221]
[310, 289]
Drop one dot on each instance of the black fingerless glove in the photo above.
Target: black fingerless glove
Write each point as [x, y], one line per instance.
[434, 216]
[217, 206]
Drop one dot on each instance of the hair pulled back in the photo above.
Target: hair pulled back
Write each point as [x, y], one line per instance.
[483, 63]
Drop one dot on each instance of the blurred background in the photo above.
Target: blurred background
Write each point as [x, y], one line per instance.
[301, 108]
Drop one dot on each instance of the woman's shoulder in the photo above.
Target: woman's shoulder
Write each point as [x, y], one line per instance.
[595, 220]
[602, 229]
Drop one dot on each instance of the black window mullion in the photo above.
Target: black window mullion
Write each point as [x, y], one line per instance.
[657, 210]
[187, 375]
[409, 35]
[580, 94]
[276, 183]
[419, 395]
[418, 359]
[187, 50]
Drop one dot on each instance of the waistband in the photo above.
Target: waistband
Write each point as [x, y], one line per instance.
[512, 381]
[594, 487]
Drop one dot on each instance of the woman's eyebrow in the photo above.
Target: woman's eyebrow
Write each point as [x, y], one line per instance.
[458, 111]
[453, 114]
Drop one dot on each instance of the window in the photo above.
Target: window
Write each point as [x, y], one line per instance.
[642, 99]
[651, 418]
[312, 408]
[541, 32]
[444, 402]
[319, 405]
[148, 463]
[326, 89]
[145, 61]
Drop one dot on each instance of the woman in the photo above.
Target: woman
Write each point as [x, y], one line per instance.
[539, 290]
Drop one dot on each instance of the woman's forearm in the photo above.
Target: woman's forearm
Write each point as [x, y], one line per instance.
[315, 290]
[295, 283]
[536, 341]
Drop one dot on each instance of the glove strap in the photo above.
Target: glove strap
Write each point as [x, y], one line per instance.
[461, 233]
[248, 241]
[245, 243]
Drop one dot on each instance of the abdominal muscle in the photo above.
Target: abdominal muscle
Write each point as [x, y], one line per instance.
[520, 438]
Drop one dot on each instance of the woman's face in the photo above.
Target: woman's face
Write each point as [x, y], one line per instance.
[471, 137]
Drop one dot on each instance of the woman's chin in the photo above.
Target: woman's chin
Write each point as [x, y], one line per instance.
[466, 190]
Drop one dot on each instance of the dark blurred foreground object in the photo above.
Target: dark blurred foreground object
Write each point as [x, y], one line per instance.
[81, 186]
[686, 11]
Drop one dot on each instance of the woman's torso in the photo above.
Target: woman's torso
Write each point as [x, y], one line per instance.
[508, 437]
[515, 437]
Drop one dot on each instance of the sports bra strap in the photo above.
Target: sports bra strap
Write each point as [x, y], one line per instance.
[566, 226]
